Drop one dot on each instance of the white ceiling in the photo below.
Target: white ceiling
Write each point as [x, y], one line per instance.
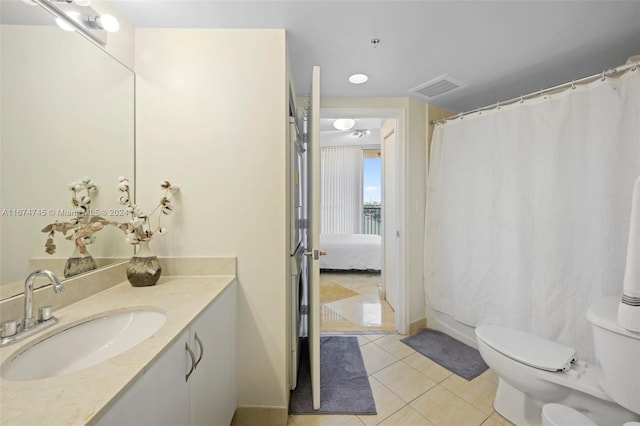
[329, 136]
[500, 49]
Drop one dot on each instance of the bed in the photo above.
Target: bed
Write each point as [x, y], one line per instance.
[351, 251]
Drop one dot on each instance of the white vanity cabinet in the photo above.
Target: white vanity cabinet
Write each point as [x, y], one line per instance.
[164, 395]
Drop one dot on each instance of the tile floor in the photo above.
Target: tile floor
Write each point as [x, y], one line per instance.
[350, 302]
[411, 390]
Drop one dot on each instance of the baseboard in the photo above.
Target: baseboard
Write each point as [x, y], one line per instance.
[416, 326]
[260, 416]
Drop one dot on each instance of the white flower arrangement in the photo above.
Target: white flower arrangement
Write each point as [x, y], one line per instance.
[82, 226]
[140, 228]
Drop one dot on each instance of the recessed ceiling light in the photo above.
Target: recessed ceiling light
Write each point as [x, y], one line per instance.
[344, 124]
[358, 78]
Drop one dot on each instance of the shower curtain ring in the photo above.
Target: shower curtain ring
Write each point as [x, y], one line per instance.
[603, 78]
[634, 67]
[521, 98]
[573, 84]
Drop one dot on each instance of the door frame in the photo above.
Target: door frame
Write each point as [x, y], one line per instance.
[401, 316]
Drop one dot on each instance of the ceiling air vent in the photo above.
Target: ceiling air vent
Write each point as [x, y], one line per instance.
[437, 87]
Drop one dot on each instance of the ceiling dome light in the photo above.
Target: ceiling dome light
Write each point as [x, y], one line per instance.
[82, 2]
[358, 78]
[344, 124]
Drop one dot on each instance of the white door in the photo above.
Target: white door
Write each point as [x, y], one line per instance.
[390, 218]
[313, 249]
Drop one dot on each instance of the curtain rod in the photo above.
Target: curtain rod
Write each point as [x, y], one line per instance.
[632, 66]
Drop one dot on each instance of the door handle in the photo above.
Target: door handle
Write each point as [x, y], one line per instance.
[315, 253]
[193, 362]
[201, 350]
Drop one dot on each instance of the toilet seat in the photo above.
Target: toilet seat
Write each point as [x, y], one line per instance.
[561, 415]
[528, 349]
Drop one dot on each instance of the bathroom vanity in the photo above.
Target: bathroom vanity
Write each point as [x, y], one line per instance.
[184, 373]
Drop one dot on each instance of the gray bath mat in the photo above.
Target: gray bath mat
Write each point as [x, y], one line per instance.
[344, 385]
[450, 353]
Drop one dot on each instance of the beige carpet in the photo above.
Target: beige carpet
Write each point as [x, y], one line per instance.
[330, 292]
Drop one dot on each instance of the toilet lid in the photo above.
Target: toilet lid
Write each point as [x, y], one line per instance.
[557, 414]
[526, 348]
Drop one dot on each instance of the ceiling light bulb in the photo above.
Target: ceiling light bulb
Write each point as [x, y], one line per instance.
[108, 23]
[64, 25]
[344, 124]
[358, 78]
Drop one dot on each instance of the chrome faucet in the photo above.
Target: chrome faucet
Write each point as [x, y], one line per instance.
[29, 321]
[13, 331]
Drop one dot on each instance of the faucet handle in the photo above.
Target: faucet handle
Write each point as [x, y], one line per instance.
[9, 328]
[45, 313]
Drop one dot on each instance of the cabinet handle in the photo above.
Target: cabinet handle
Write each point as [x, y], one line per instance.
[193, 361]
[201, 349]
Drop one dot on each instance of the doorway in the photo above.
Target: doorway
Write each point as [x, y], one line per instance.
[359, 288]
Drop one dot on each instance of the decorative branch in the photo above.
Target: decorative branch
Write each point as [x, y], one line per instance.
[139, 228]
[82, 226]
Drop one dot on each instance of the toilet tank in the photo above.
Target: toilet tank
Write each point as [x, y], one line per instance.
[617, 353]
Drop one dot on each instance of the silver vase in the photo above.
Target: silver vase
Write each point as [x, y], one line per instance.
[143, 269]
[79, 263]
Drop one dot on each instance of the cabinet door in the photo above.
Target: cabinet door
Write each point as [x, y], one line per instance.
[160, 396]
[213, 383]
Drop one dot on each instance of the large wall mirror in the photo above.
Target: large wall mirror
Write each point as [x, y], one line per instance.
[67, 112]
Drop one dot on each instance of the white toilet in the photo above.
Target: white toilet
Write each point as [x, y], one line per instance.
[561, 415]
[533, 372]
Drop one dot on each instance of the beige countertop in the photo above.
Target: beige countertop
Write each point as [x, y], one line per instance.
[78, 397]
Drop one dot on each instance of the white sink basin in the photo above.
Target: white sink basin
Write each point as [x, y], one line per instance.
[83, 345]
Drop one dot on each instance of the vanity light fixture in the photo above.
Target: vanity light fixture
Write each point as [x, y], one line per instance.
[78, 2]
[358, 78]
[103, 22]
[76, 15]
[64, 25]
[344, 124]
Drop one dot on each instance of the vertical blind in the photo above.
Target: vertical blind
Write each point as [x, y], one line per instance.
[340, 190]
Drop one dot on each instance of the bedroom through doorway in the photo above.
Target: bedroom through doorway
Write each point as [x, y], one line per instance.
[358, 214]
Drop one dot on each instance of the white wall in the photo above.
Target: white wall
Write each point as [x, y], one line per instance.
[211, 117]
[416, 174]
[413, 149]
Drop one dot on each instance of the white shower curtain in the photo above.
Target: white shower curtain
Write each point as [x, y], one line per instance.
[528, 210]
[340, 190]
